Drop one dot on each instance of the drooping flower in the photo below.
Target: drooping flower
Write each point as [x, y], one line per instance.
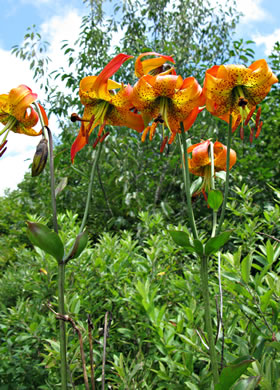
[106, 102]
[165, 98]
[200, 161]
[152, 65]
[18, 115]
[236, 90]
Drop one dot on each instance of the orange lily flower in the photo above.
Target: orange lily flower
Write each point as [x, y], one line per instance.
[236, 90]
[200, 161]
[17, 114]
[106, 102]
[165, 98]
[152, 65]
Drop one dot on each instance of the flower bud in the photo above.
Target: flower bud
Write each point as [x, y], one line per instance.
[40, 157]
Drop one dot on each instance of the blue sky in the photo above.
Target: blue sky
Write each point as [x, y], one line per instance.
[58, 20]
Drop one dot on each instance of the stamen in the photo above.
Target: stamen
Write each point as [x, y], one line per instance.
[249, 116]
[101, 129]
[75, 118]
[96, 142]
[237, 123]
[3, 151]
[251, 135]
[3, 144]
[145, 132]
[258, 130]
[242, 133]
[152, 130]
[205, 196]
[258, 117]
[104, 136]
[163, 144]
[171, 139]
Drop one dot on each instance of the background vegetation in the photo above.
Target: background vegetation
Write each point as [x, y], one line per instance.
[131, 269]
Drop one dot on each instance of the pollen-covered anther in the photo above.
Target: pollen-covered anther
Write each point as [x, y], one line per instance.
[258, 117]
[96, 142]
[163, 144]
[104, 136]
[242, 102]
[258, 130]
[251, 135]
[2, 149]
[237, 123]
[153, 130]
[249, 116]
[145, 132]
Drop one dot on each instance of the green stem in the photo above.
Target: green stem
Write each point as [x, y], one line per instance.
[208, 322]
[92, 174]
[62, 330]
[222, 216]
[61, 265]
[213, 187]
[186, 177]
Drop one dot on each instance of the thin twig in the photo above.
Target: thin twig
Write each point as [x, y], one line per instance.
[90, 327]
[67, 318]
[269, 236]
[104, 349]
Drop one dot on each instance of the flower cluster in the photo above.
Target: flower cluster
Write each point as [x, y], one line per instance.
[160, 98]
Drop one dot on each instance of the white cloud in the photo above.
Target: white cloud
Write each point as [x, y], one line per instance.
[267, 40]
[15, 72]
[252, 10]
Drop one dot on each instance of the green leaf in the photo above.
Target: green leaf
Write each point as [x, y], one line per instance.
[248, 383]
[215, 243]
[199, 249]
[47, 240]
[182, 239]
[231, 373]
[215, 199]
[79, 245]
[246, 267]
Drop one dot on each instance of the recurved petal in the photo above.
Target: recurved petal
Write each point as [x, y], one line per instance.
[144, 67]
[261, 74]
[143, 93]
[165, 85]
[78, 144]
[122, 98]
[189, 121]
[100, 83]
[220, 159]
[118, 117]
[200, 154]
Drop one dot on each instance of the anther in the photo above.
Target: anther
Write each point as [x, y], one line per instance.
[258, 117]
[96, 142]
[163, 144]
[249, 116]
[237, 123]
[104, 136]
[258, 130]
[75, 118]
